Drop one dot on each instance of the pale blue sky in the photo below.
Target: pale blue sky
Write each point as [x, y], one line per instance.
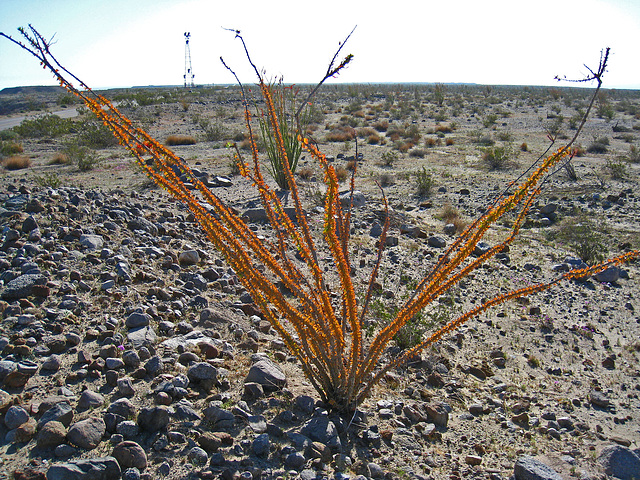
[119, 43]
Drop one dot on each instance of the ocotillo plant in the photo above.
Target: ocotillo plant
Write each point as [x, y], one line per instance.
[327, 337]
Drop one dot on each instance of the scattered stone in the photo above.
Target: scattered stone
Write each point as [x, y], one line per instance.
[60, 412]
[90, 399]
[87, 433]
[130, 454]
[51, 435]
[15, 416]
[620, 462]
[528, 468]
[105, 468]
[322, 430]
[153, 419]
[267, 374]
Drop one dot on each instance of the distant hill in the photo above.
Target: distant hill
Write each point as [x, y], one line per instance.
[49, 89]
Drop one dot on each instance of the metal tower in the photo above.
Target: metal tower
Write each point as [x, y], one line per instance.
[187, 61]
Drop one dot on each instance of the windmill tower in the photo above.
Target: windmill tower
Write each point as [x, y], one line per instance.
[187, 62]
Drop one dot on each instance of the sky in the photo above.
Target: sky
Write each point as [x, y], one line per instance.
[117, 43]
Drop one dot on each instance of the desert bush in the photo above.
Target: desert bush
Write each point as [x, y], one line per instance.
[389, 157]
[83, 157]
[342, 133]
[498, 157]
[418, 153]
[449, 141]
[443, 129]
[599, 145]
[489, 120]
[634, 154]
[305, 173]
[16, 162]
[59, 158]
[48, 179]
[326, 335]
[173, 140]
[381, 126]
[343, 173]
[585, 237]
[617, 168]
[48, 125]
[95, 135]
[374, 140]
[524, 147]
[424, 182]
[386, 180]
[10, 148]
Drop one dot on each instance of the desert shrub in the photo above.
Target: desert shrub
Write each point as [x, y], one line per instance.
[489, 120]
[173, 140]
[305, 173]
[585, 237]
[498, 157]
[48, 125]
[386, 180]
[449, 141]
[617, 168]
[524, 147]
[389, 157]
[599, 145]
[424, 182]
[16, 162]
[10, 148]
[59, 158]
[374, 139]
[365, 132]
[443, 129]
[342, 133]
[430, 142]
[418, 152]
[342, 173]
[48, 179]
[9, 136]
[381, 126]
[634, 154]
[95, 135]
[83, 157]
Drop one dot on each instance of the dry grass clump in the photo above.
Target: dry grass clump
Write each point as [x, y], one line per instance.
[305, 173]
[342, 173]
[524, 147]
[381, 126]
[342, 133]
[365, 132]
[60, 158]
[430, 142]
[443, 129]
[451, 215]
[418, 152]
[374, 139]
[173, 140]
[449, 141]
[16, 162]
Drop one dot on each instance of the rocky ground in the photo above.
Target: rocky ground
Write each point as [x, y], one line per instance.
[128, 349]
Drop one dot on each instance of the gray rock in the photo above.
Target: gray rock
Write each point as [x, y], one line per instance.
[105, 468]
[113, 363]
[87, 433]
[609, 275]
[125, 387]
[130, 454]
[51, 364]
[65, 450]
[620, 462]
[51, 435]
[153, 419]
[358, 200]
[322, 430]
[202, 371]
[128, 429]
[599, 399]
[261, 445]
[295, 461]
[137, 319]
[154, 365]
[184, 411]
[29, 224]
[90, 399]
[131, 358]
[141, 223]
[189, 257]
[220, 418]
[91, 242]
[528, 468]
[142, 337]
[267, 374]
[15, 416]
[21, 286]
[131, 474]
[122, 407]
[60, 412]
[437, 242]
[198, 456]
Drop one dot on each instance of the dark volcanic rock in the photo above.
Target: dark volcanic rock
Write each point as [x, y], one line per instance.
[105, 468]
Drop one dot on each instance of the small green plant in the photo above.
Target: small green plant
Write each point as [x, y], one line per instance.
[10, 148]
[94, 134]
[48, 179]
[424, 182]
[617, 168]
[585, 237]
[85, 158]
[389, 157]
[489, 120]
[498, 157]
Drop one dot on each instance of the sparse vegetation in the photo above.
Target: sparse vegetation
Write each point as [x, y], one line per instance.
[16, 162]
[173, 140]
